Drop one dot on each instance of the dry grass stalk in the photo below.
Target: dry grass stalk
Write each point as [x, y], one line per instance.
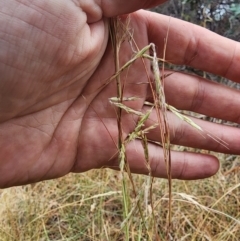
[118, 33]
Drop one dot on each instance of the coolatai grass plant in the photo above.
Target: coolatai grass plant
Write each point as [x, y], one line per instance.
[105, 205]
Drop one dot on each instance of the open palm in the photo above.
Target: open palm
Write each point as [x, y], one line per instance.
[56, 116]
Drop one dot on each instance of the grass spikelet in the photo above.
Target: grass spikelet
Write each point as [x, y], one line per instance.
[183, 117]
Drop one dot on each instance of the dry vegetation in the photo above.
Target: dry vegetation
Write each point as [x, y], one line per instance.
[89, 207]
[104, 205]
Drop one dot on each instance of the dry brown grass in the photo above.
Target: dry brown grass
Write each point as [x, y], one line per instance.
[89, 207]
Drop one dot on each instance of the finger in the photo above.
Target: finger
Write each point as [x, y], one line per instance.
[192, 45]
[185, 166]
[193, 93]
[113, 8]
[213, 137]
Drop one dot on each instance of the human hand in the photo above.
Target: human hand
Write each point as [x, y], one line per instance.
[55, 59]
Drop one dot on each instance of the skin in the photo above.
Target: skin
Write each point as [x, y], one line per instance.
[56, 117]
